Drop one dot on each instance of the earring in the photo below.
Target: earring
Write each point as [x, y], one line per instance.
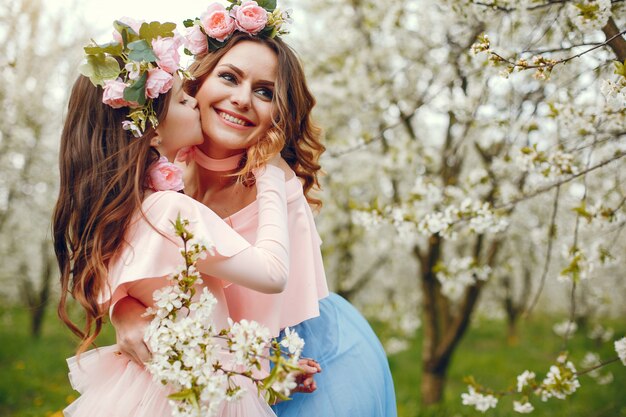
[158, 142]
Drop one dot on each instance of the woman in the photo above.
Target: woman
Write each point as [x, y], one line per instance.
[112, 232]
[233, 86]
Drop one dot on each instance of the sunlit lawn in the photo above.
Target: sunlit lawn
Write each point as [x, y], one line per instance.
[34, 380]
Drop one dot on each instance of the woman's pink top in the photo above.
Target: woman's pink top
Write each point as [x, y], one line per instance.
[306, 283]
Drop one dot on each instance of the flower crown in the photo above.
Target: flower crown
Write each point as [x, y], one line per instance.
[211, 31]
[135, 68]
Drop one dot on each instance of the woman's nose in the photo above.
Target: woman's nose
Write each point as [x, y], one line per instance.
[241, 97]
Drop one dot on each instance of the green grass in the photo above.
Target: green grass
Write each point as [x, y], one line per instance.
[484, 354]
[34, 374]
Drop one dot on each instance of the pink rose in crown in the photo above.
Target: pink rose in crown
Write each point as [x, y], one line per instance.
[158, 82]
[166, 51]
[195, 40]
[134, 25]
[217, 23]
[164, 175]
[113, 94]
[249, 17]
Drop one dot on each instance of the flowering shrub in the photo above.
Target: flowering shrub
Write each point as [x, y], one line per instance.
[201, 363]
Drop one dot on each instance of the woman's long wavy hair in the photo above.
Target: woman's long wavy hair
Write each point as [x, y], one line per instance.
[294, 134]
[102, 171]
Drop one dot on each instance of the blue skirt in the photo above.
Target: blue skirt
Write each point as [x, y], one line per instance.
[355, 380]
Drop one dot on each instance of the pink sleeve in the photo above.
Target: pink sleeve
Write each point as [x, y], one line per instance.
[263, 267]
[153, 251]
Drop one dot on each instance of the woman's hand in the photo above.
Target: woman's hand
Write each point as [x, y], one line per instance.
[130, 328]
[305, 381]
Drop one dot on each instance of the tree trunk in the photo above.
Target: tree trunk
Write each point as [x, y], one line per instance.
[512, 338]
[37, 299]
[433, 383]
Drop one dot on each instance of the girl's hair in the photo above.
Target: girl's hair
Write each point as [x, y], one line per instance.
[294, 134]
[102, 171]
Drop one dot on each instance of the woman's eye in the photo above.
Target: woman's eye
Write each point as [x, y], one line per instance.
[184, 101]
[265, 93]
[228, 77]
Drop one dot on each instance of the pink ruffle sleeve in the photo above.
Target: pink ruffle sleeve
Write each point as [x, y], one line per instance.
[306, 284]
[153, 250]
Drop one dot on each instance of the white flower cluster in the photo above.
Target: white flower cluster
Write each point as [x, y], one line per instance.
[550, 165]
[480, 401]
[459, 274]
[523, 407]
[479, 217]
[525, 379]
[589, 15]
[184, 350]
[615, 93]
[565, 328]
[599, 333]
[199, 363]
[620, 348]
[560, 381]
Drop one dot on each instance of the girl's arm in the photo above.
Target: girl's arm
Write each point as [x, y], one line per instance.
[263, 267]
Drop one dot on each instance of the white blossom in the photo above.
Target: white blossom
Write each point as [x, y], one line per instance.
[524, 379]
[523, 407]
[292, 342]
[565, 328]
[620, 348]
[480, 401]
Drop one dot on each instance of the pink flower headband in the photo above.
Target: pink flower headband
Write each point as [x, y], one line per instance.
[211, 31]
[135, 68]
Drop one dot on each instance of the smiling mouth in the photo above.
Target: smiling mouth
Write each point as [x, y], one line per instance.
[233, 119]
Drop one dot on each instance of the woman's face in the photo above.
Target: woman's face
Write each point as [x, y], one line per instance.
[181, 126]
[235, 100]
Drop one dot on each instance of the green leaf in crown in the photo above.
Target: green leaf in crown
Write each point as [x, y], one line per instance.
[153, 30]
[136, 92]
[141, 51]
[268, 5]
[214, 44]
[111, 48]
[99, 67]
[128, 33]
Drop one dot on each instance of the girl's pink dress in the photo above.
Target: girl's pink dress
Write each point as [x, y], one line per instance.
[111, 385]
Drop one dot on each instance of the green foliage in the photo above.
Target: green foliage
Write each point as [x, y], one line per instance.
[136, 93]
[141, 51]
[153, 30]
[99, 67]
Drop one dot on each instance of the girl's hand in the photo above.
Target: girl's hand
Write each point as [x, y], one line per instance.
[306, 382]
[130, 328]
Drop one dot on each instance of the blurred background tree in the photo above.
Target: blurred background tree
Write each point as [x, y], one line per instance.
[38, 56]
[456, 167]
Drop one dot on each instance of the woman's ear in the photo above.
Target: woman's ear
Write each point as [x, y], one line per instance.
[156, 141]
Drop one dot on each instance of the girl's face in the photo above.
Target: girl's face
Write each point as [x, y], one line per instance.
[181, 126]
[235, 100]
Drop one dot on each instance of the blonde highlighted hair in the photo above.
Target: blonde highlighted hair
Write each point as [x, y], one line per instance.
[293, 134]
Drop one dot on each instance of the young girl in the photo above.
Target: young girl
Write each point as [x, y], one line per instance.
[112, 231]
[233, 85]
